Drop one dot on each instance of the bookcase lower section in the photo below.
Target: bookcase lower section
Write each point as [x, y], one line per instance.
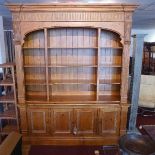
[33, 140]
[77, 124]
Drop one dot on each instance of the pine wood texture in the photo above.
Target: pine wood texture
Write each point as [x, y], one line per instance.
[72, 62]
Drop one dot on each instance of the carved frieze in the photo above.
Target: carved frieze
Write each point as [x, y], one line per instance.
[69, 16]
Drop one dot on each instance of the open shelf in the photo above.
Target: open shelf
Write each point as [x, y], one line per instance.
[72, 47]
[6, 82]
[72, 81]
[7, 98]
[35, 82]
[83, 68]
[111, 47]
[111, 65]
[73, 65]
[109, 98]
[6, 65]
[36, 96]
[110, 81]
[73, 96]
[32, 48]
[34, 66]
[9, 114]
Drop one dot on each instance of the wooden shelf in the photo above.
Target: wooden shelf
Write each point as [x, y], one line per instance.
[7, 98]
[71, 81]
[35, 82]
[38, 96]
[73, 96]
[6, 65]
[109, 98]
[111, 65]
[34, 66]
[61, 66]
[26, 48]
[110, 81]
[72, 47]
[7, 82]
[112, 47]
[9, 114]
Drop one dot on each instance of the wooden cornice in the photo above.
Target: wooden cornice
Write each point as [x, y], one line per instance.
[47, 7]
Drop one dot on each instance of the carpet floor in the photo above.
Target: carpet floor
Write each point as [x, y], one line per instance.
[73, 150]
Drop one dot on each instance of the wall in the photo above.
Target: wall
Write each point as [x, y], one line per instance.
[2, 43]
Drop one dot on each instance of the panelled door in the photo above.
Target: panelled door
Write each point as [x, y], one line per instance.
[62, 120]
[38, 121]
[85, 121]
[109, 120]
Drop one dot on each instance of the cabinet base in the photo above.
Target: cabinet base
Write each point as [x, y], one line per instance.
[108, 140]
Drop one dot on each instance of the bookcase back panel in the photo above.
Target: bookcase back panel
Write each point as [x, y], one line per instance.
[72, 57]
[111, 56]
[35, 40]
[34, 57]
[110, 74]
[72, 75]
[72, 37]
[35, 75]
[109, 39]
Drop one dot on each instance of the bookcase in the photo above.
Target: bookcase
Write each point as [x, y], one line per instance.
[72, 71]
[8, 101]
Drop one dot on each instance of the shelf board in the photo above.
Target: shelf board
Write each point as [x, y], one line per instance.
[6, 82]
[110, 98]
[72, 81]
[36, 96]
[34, 66]
[73, 98]
[111, 65]
[9, 128]
[9, 114]
[72, 47]
[35, 82]
[26, 48]
[110, 81]
[7, 65]
[112, 47]
[61, 66]
[7, 98]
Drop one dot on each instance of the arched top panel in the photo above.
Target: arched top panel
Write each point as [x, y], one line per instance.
[78, 36]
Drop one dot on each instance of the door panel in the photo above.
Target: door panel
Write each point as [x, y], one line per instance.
[38, 121]
[62, 121]
[85, 121]
[109, 120]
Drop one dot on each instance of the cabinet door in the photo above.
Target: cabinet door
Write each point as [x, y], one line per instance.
[38, 121]
[109, 120]
[62, 121]
[85, 121]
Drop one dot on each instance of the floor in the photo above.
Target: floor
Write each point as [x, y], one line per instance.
[74, 150]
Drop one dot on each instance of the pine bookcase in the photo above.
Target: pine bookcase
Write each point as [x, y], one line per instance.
[72, 65]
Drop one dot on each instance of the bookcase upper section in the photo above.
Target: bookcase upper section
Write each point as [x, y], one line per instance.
[30, 17]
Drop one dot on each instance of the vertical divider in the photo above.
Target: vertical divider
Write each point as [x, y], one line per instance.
[15, 95]
[98, 63]
[46, 63]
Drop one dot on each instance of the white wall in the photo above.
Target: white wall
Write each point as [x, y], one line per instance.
[2, 43]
